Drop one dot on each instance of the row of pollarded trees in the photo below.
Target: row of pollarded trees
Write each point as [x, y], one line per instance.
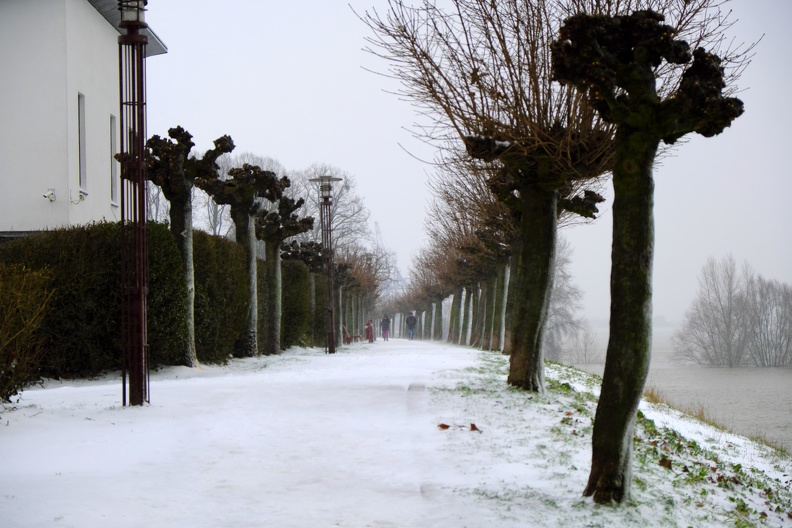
[550, 95]
[262, 207]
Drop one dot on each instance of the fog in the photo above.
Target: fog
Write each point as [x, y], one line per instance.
[289, 80]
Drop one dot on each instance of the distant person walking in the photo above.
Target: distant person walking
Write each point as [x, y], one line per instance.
[410, 322]
[385, 327]
[370, 331]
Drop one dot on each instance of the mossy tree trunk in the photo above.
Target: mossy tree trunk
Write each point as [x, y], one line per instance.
[628, 354]
[455, 320]
[247, 345]
[466, 314]
[274, 299]
[534, 284]
[489, 311]
[182, 230]
[477, 317]
[498, 305]
[511, 292]
[437, 326]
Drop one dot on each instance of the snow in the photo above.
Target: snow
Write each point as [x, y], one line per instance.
[306, 439]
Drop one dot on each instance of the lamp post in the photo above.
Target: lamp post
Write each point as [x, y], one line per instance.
[134, 246]
[325, 184]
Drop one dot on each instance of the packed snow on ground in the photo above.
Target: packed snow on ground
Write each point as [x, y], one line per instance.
[389, 434]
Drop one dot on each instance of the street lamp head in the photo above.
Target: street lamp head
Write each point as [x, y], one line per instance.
[325, 185]
[133, 12]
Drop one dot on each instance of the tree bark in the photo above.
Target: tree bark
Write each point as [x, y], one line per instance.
[510, 296]
[274, 299]
[455, 320]
[437, 326]
[488, 305]
[535, 282]
[498, 305]
[247, 345]
[628, 354]
[466, 315]
[181, 227]
[479, 311]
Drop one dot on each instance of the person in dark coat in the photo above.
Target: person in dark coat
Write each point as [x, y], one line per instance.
[385, 327]
[410, 322]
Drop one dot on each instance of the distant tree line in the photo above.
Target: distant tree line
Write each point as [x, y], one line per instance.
[737, 319]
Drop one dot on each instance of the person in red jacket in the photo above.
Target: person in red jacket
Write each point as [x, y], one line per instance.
[370, 331]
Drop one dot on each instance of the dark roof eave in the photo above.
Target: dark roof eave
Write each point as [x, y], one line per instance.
[109, 10]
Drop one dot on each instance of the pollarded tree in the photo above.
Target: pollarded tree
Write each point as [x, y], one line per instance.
[274, 227]
[174, 170]
[480, 72]
[612, 60]
[243, 191]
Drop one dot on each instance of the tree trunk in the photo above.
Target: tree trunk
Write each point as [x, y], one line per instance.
[181, 227]
[274, 300]
[489, 314]
[497, 314]
[455, 319]
[463, 335]
[479, 311]
[510, 296]
[419, 317]
[535, 282]
[247, 345]
[437, 326]
[628, 355]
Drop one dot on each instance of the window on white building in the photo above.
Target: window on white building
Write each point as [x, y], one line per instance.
[83, 180]
[113, 162]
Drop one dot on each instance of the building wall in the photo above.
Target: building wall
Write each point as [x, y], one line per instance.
[53, 52]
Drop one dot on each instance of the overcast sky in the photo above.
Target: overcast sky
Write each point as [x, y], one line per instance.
[288, 80]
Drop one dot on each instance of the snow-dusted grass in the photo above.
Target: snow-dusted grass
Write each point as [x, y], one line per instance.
[309, 440]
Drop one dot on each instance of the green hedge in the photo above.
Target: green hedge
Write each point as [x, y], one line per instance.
[80, 332]
[320, 311]
[24, 296]
[221, 296]
[296, 317]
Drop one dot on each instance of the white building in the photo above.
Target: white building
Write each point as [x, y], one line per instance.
[59, 124]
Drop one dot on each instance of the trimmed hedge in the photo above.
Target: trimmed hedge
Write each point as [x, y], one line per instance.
[81, 330]
[221, 296]
[320, 312]
[23, 300]
[296, 317]
[79, 333]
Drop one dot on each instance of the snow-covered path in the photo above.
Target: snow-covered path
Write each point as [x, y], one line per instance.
[298, 440]
[307, 440]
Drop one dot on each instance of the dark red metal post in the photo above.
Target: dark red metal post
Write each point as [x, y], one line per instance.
[134, 246]
[326, 216]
